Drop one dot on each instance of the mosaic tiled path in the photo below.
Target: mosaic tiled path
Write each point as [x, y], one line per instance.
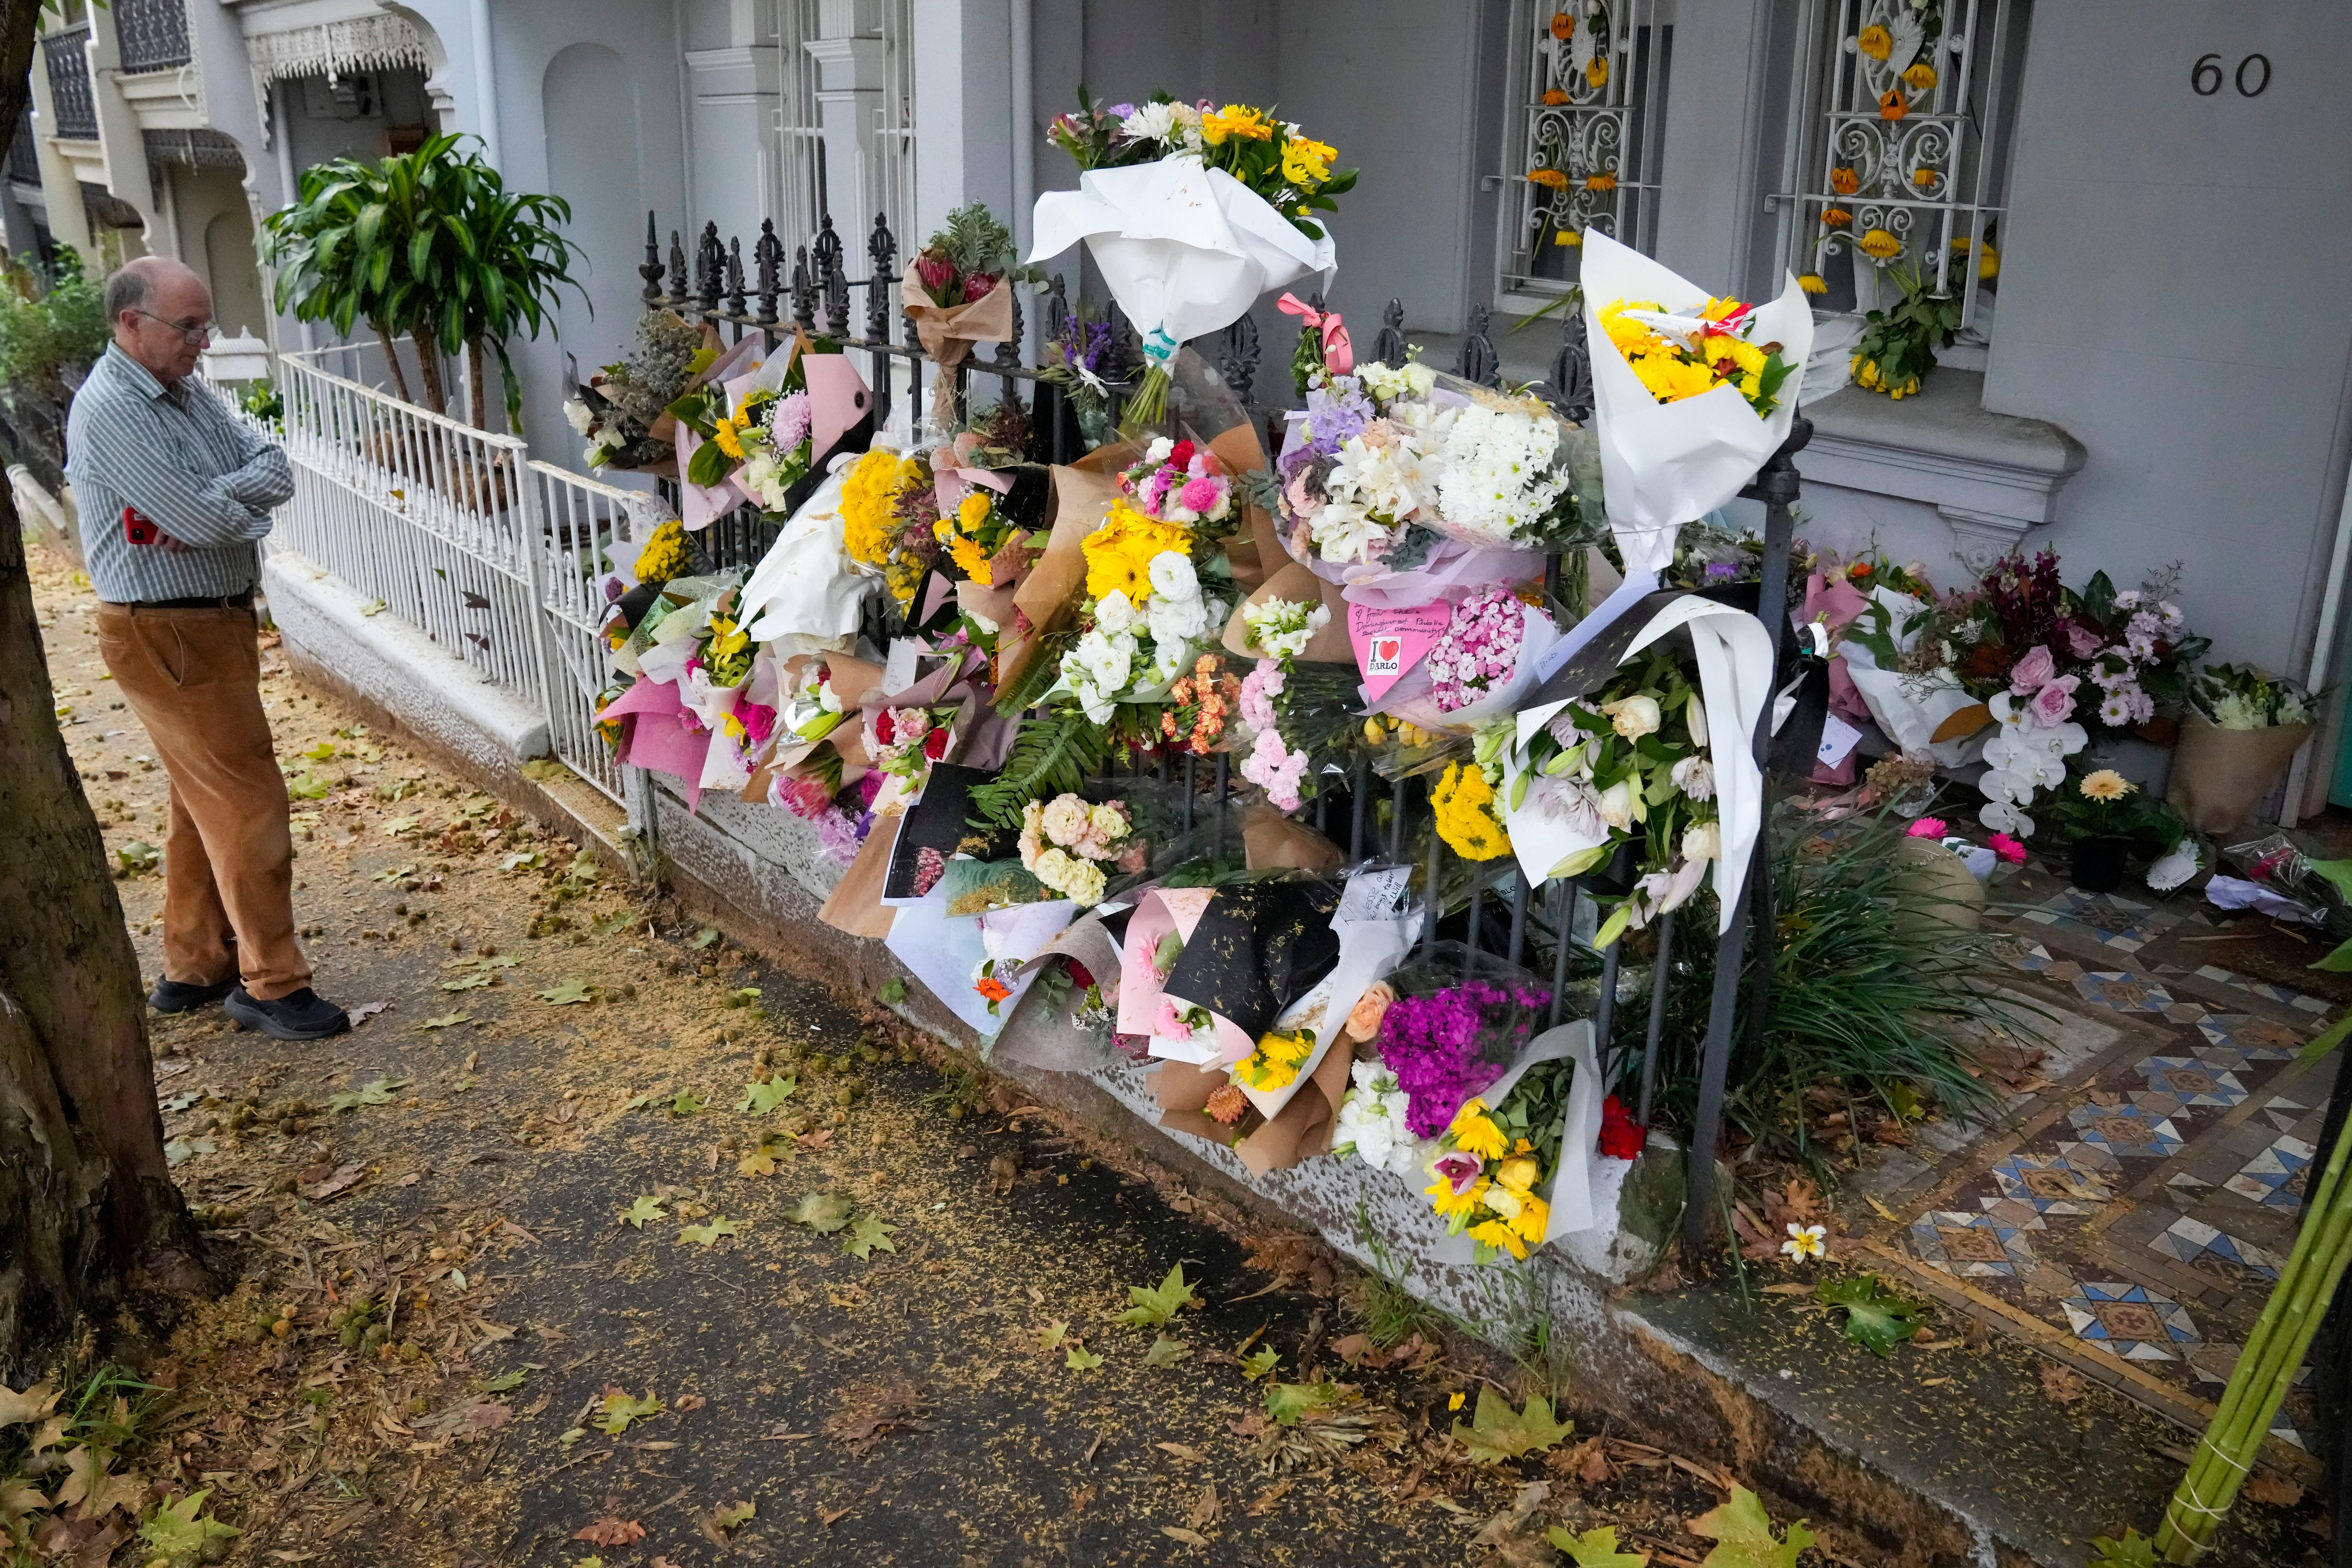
[2127, 1213]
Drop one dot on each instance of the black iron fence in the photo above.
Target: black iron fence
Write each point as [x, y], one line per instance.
[1488, 907]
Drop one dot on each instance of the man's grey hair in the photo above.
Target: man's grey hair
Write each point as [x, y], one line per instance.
[129, 289]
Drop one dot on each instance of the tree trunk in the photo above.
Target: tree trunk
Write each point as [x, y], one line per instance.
[87, 1201]
[428, 368]
[474, 376]
[392, 358]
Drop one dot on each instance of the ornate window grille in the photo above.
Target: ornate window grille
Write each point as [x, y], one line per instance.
[1897, 166]
[1587, 136]
[66, 55]
[152, 35]
[886, 152]
[23, 157]
[800, 133]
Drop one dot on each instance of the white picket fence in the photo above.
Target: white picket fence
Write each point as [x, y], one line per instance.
[495, 556]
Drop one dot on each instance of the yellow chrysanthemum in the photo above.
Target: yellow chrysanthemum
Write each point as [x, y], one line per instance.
[1474, 1132]
[1500, 1234]
[1307, 163]
[1465, 822]
[1568, 236]
[1920, 77]
[1601, 182]
[1878, 243]
[869, 494]
[1534, 1215]
[664, 556]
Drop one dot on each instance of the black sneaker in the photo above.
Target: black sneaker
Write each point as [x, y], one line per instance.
[179, 996]
[298, 1015]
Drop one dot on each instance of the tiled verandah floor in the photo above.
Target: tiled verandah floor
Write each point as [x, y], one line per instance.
[2130, 1208]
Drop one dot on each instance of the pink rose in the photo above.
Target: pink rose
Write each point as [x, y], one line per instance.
[2032, 672]
[1458, 1169]
[2054, 704]
[2084, 641]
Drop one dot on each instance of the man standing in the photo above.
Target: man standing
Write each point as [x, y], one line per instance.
[174, 493]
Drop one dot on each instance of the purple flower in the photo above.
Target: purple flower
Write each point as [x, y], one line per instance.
[1335, 412]
[838, 834]
[1458, 1169]
[1721, 571]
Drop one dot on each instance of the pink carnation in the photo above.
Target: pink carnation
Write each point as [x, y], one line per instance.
[1201, 496]
[1259, 688]
[1925, 827]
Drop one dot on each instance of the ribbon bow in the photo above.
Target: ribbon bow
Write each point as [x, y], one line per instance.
[1339, 353]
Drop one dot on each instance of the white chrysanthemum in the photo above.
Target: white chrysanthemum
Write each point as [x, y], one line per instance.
[1152, 122]
[1499, 475]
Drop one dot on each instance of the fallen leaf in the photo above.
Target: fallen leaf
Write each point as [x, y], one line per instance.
[1190, 1456]
[620, 1408]
[759, 1099]
[610, 1531]
[2275, 1491]
[1205, 1508]
[1743, 1532]
[646, 1208]
[735, 1517]
[1156, 1305]
[446, 1021]
[345, 1177]
[1594, 1548]
[1876, 1317]
[872, 1411]
[1496, 1432]
[704, 1235]
[760, 1162]
[365, 1011]
[566, 992]
[1262, 1504]
[378, 1093]
[1050, 1336]
[1165, 1352]
[2063, 1385]
[869, 1233]
[1081, 1359]
[1189, 1537]
[823, 1212]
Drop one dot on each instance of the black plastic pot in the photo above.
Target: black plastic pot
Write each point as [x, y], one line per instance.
[2099, 864]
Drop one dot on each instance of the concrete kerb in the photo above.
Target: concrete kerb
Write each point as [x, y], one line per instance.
[758, 875]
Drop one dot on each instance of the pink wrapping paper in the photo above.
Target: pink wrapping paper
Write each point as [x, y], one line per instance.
[658, 737]
[1838, 603]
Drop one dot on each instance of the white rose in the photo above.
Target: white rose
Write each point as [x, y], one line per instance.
[1176, 621]
[1172, 577]
[1107, 823]
[1617, 805]
[1054, 869]
[1703, 841]
[1083, 884]
[576, 413]
[1634, 716]
[1161, 446]
[1065, 820]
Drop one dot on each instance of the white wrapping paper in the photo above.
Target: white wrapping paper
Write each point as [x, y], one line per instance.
[1186, 249]
[1665, 464]
[806, 594]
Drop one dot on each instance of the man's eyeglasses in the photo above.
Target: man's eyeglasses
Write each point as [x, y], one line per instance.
[188, 333]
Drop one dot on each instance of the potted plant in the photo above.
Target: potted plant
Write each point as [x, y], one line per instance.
[2242, 729]
[2100, 816]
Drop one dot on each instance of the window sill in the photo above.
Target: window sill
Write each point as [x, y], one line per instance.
[1992, 476]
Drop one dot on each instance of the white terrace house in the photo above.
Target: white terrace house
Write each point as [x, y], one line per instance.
[2142, 208]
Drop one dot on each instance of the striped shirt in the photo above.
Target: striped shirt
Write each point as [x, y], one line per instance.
[179, 456]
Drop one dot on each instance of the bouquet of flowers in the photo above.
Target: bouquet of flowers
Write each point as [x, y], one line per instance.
[869, 518]
[623, 410]
[958, 291]
[1488, 1165]
[1075, 360]
[1280, 629]
[1146, 613]
[1445, 1038]
[2239, 697]
[902, 743]
[1065, 843]
[1698, 395]
[1372, 1120]
[2243, 732]
[1190, 213]
[1184, 483]
[1630, 764]
[1302, 720]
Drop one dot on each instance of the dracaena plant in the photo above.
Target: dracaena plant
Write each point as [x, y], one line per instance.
[430, 242]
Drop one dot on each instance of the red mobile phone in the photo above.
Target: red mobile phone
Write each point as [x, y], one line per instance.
[137, 529]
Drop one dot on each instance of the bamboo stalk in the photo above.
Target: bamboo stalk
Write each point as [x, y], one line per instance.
[2297, 1303]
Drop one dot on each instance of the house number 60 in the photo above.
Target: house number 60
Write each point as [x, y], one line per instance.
[2254, 76]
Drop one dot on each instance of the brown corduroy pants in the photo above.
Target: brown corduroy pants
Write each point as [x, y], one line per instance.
[193, 677]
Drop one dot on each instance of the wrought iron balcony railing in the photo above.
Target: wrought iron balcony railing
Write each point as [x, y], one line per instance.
[152, 35]
[67, 55]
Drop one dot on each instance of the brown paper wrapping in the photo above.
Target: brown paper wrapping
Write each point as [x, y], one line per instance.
[1301, 1131]
[857, 904]
[851, 679]
[1255, 550]
[2219, 776]
[1080, 501]
[1110, 461]
[1300, 585]
[1273, 842]
[947, 332]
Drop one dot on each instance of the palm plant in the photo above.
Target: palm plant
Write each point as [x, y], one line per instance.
[430, 244]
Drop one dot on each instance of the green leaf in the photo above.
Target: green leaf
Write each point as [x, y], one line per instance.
[893, 991]
[1165, 1352]
[322, 752]
[504, 1383]
[1742, 1533]
[759, 1099]
[2337, 962]
[446, 1021]
[1286, 1402]
[823, 1212]
[572, 1436]
[867, 1234]
[734, 1517]
[378, 1093]
[687, 1103]
[1081, 1359]
[704, 1235]
[399, 825]
[1054, 753]
[1156, 1307]
[1260, 1363]
[620, 1409]
[134, 858]
[567, 992]
[613, 924]
[308, 786]
[1050, 1336]
[1876, 1317]
[178, 1531]
[646, 1207]
[2328, 1039]
[704, 938]
[467, 982]
[1594, 1548]
[522, 860]
[2134, 1551]
[1496, 1432]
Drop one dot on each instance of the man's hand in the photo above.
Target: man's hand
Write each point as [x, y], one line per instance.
[164, 541]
